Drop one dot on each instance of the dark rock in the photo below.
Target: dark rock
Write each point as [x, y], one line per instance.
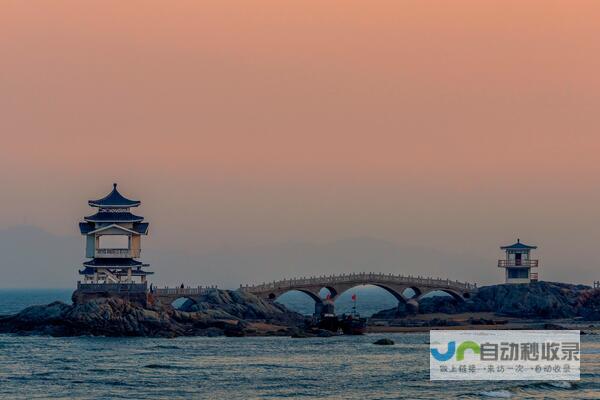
[213, 332]
[485, 321]
[323, 333]
[384, 342]
[554, 327]
[535, 300]
[590, 305]
[441, 322]
[234, 332]
[235, 304]
[442, 304]
[299, 335]
[398, 312]
[220, 313]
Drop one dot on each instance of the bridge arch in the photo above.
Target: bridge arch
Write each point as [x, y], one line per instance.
[396, 285]
[393, 300]
[179, 302]
[276, 294]
[388, 288]
[333, 293]
[453, 293]
[416, 292]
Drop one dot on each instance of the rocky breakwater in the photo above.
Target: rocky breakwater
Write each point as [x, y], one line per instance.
[220, 312]
[548, 300]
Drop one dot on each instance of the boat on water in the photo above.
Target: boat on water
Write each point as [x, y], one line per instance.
[353, 324]
[348, 324]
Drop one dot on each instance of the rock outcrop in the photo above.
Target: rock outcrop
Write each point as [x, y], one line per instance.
[220, 313]
[228, 304]
[536, 300]
[384, 342]
[234, 313]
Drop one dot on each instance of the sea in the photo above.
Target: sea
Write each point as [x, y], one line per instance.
[341, 367]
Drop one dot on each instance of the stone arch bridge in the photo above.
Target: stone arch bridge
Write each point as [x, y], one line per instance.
[168, 295]
[337, 284]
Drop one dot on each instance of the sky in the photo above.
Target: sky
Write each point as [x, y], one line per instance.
[272, 130]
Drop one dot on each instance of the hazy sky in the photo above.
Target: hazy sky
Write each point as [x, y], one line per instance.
[452, 125]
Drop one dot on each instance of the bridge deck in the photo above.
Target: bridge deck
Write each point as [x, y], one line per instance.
[360, 278]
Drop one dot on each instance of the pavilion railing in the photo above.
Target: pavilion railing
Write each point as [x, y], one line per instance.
[186, 291]
[117, 253]
[534, 276]
[515, 263]
[112, 287]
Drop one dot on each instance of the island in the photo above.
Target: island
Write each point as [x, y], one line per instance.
[538, 305]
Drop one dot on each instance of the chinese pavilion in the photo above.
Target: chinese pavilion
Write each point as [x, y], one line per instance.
[518, 263]
[113, 242]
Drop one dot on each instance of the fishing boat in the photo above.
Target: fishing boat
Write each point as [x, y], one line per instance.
[348, 324]
[353, 324]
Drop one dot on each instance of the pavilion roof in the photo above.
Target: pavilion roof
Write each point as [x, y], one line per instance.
[114, 199]
[141, 228]
[114, 262]
[88, 228]
[104, 216]
[135, 272]
[518, 246]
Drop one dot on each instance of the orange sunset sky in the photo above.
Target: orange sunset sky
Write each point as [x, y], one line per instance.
[256, 132]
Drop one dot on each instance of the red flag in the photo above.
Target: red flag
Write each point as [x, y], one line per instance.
[354, 297]
[328, 296]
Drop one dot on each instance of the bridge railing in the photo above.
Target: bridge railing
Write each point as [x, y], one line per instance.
[186, 291]
[112, 287]
[366, 277]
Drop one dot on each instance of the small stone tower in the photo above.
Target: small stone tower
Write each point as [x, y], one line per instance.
[518, 263]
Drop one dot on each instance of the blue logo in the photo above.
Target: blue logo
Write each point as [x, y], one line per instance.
[460, 352]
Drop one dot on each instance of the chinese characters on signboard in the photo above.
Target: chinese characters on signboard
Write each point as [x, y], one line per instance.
[504, 355]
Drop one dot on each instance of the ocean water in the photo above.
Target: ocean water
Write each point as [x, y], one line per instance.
[34, 367]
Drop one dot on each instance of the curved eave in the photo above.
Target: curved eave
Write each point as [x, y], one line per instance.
[90, 271]
[113, 217]
[519, 246]
[85, 228]
[141, 228]
[114, 263]
[97, 203]
[114, 226]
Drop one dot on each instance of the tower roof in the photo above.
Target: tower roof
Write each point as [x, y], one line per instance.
[134, 272]
[518, 246]
[114, 199]
[114, 262]
[89, 228]
[107, 217]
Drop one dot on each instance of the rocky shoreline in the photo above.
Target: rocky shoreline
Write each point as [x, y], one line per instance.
[221, 312]
[234, 313]
[541, 300]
